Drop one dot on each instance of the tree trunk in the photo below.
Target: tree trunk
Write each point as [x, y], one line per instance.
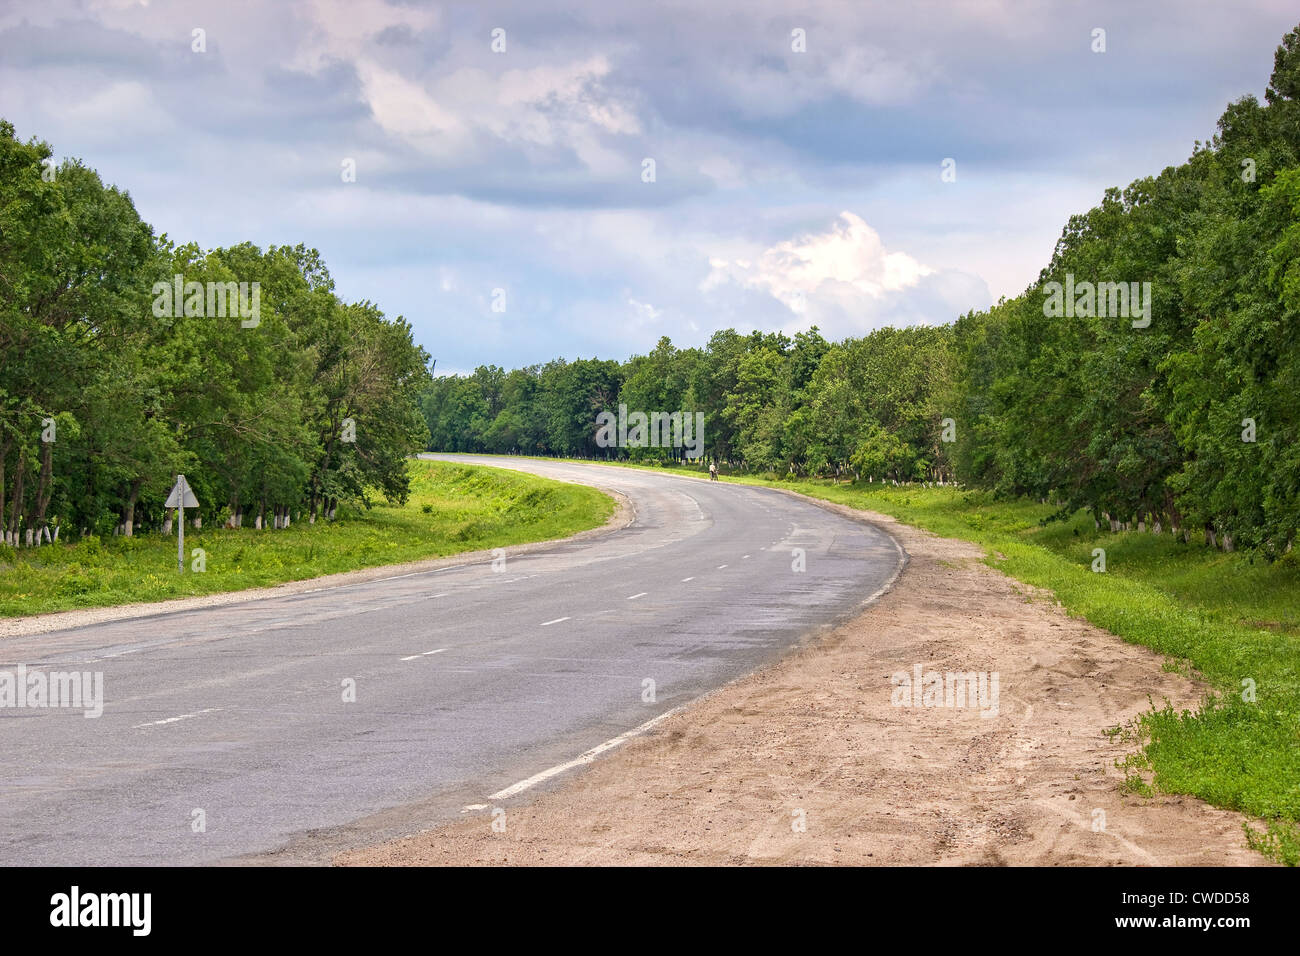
[17, 509]
[45, 488]
[4, 525]
[132, 498]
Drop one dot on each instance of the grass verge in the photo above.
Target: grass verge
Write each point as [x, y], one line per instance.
[452, 508]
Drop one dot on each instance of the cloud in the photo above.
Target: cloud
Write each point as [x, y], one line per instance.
[402, 107]
[792, 188]
[845, 281]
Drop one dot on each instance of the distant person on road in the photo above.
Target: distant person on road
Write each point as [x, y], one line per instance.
[713, 471]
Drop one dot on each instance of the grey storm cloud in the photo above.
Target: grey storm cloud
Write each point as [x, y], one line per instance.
[523, 170]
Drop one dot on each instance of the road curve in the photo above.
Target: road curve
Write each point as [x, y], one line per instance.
[468, 680]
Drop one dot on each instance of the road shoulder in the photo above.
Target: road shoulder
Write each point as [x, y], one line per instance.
[809, 761]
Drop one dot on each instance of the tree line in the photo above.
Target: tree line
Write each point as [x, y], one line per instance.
[109, 388]
[1162, 396]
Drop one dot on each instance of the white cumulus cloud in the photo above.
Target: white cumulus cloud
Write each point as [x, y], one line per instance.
[849, 258]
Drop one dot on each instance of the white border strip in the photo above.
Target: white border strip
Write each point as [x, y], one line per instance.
[586, 758]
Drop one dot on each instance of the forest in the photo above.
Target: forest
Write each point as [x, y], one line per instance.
[1185, 420]
[110, 388]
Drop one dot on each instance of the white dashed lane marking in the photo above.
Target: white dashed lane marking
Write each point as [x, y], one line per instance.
[172, 720]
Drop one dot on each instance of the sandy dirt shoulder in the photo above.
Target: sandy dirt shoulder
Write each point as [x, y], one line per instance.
[815, 738]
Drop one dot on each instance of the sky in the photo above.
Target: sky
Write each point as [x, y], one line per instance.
[525, 181]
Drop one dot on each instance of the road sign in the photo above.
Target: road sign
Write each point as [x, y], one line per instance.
[181, 496]
[180, 499]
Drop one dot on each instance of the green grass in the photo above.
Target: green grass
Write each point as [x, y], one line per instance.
[452, 508]
[1225, 618]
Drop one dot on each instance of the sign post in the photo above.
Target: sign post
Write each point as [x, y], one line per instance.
[180, 499]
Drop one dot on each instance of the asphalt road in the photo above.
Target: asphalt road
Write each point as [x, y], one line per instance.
[468, 680]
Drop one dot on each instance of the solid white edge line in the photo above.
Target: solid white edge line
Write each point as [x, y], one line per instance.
[578, 761]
